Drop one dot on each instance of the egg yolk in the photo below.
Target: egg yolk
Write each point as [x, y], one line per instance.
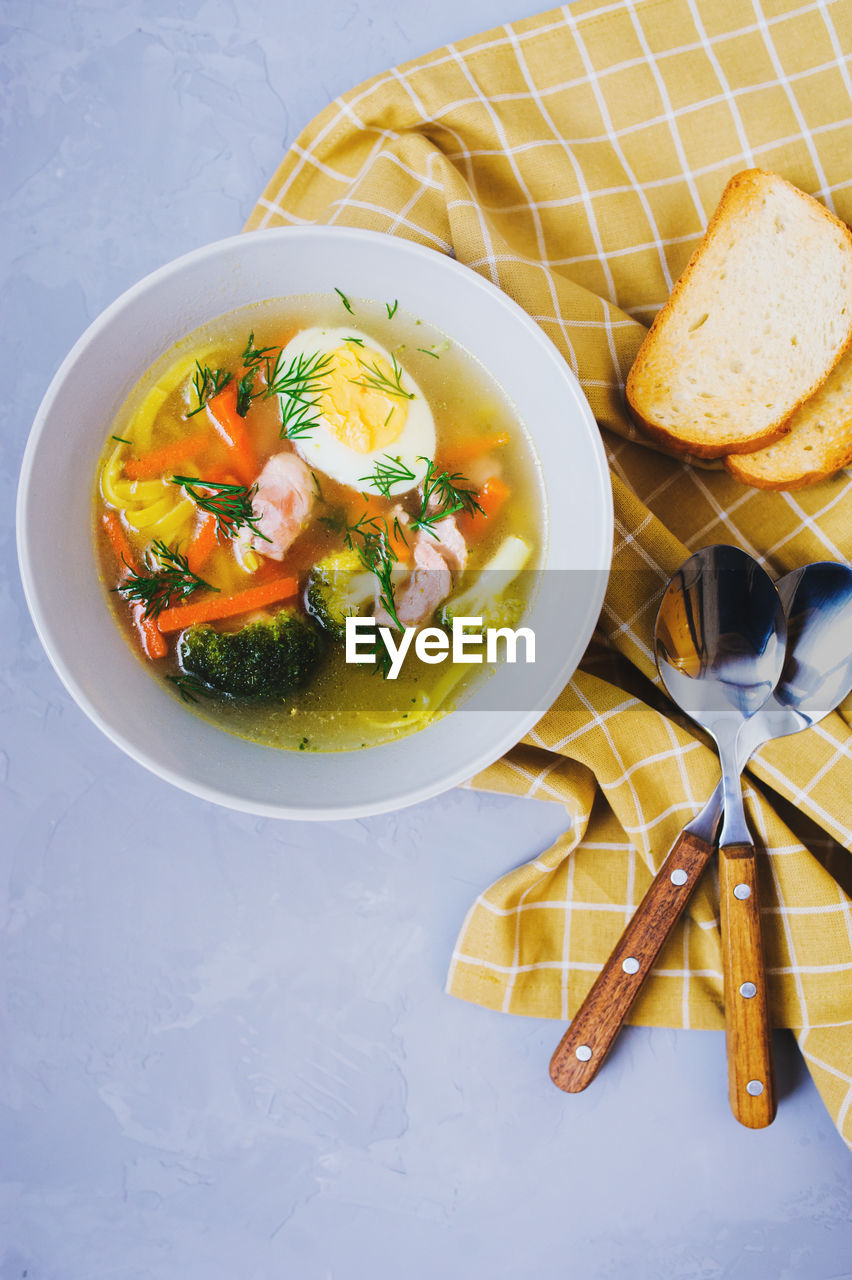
[358, 415]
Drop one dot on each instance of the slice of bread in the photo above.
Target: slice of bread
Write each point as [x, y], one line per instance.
[818, 442]
[755, 323]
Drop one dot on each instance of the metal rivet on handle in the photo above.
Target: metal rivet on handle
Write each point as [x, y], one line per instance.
[583, 1052]
[755, 1088]
[742, 891]
[748, 989]
[630, 965]
[678, 877]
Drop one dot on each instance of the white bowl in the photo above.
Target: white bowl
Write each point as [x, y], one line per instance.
[58, 563]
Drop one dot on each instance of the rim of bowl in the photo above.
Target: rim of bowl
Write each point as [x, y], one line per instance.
[522, 723]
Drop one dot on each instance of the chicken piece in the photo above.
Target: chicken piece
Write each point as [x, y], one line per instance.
[447, 539]
[427, 586]
[282, 503]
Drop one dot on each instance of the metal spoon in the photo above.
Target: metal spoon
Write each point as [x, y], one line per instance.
[817, 675]
[720, 646]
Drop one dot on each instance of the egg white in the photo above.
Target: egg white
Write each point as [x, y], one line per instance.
[322, 450]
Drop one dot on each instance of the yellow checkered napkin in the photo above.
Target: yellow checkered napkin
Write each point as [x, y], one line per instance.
[574, 159]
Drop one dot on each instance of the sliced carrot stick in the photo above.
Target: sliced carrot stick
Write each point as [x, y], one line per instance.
[222, 411]
[216, 607]
[119, 542]
[475, 447]
[491, 497]
[167, 458]
[150, 637]
[203, 543]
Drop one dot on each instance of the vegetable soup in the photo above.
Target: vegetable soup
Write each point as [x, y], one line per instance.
[297, 463]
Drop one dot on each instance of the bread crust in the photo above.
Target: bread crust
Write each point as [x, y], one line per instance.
[720, 447]
[786, 485]
[840, 456]
[698, 449]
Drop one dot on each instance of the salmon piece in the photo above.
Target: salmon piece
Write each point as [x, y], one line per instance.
[448, 540]
[283, 504]
[427, 586]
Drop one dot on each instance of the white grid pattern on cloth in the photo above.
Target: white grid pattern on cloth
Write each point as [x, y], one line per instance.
[784, 81]
[538, 781]
[799, 528]
[489, 260]
[569, 907]
[653, 184]
[347, 105]
[801, 797]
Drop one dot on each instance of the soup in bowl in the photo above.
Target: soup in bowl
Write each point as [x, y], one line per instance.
[305, 478]
[279, 472]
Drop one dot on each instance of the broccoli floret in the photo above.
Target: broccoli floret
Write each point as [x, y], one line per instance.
[264, 659]
[493, 596]
[339, 587]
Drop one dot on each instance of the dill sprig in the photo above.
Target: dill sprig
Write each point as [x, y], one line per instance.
[443, 495]
[168, 576]
[382, 660]
[358, 342]
[391, 310]
[300, 378]
[377, 380]
[298, 386]
[254, 356]
[343, 298]
[386, 473]
[189, 687]
[245, 391]
[231, 504]
[208, 383]
[427, 352]
[122, 440]
[370, 539]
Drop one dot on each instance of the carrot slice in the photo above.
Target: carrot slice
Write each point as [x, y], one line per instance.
[150, 637]
[119, 542]
[166, 458]
[473, 448]
[222, 411]
[203, 544]
[216, 607]
[491, 497]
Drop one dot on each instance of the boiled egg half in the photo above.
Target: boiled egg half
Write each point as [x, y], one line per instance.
[366, 412]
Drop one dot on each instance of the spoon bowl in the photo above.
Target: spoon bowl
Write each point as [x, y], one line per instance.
[817, 673]
[719, 639]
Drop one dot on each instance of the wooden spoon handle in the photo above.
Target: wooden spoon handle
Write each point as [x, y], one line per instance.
[751, 1077]
[581, 1051]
